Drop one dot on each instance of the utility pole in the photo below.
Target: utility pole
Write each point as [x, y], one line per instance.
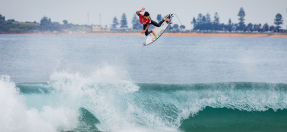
[100, 21]
[88, 18]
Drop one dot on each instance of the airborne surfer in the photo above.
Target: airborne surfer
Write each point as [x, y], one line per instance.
[146, 21]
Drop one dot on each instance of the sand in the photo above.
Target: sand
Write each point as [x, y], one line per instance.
[273, 35]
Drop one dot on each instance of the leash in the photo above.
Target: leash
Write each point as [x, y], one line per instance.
[178, 19]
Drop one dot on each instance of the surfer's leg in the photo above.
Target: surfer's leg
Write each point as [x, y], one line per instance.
[155, 36]
[155, 23]
[161, 22]
[146, 32]
[158, 24]
[164, 19]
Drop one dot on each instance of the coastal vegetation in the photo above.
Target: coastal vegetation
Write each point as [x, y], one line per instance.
[12, 26]
[203, 23]
[45, 25]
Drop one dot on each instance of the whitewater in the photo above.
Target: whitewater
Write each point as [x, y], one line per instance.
[87, 83]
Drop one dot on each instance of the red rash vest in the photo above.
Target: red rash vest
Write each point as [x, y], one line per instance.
[143, 20]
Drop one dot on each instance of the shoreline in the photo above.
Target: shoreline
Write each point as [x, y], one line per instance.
[273, 35]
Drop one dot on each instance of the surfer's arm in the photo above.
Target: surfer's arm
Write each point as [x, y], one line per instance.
[138, 12]
[147, 27]
[143, 31]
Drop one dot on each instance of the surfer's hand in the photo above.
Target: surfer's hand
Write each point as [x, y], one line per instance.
[142, 10]
[142, 32]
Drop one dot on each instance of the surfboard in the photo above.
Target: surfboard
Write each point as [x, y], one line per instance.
[158, 30]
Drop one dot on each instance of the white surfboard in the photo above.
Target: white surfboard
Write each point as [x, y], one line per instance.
[158, 30]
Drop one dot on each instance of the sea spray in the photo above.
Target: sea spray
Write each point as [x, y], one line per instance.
[15, 115]
[121, 105]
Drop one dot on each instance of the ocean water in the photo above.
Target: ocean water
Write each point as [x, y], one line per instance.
[113, 84]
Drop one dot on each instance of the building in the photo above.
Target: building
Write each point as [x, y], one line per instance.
[2, 18]
[99, 28]
[10, 20]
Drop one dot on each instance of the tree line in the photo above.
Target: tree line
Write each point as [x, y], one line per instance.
[204, 23]
[45, 25]
[12, 26]
[201, 23]
[136, 25]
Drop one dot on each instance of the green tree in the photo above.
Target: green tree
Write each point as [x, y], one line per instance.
[216, 19]
[115, 23]
[229, 22]
[135, 22]
[208, 19]
[169, 28]
[2, 18]
[208, 23]
[229, 26]
[182, 27]
[193, 22]
[278, 21]
[259, 27]
[124, 22]
[175, 26]
[216, 25]
[203, 20]
[265, 27]
[256, 27]
[65, 22]
[272, 28]
[204, 25]
[250, 27]
[55, 26]
[45, 24]
[159, 18]
[199, 19]
[241, 19]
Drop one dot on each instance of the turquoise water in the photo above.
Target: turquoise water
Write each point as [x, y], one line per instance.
[111, 83]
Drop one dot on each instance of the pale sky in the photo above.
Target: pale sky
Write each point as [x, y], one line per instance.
[75, 11]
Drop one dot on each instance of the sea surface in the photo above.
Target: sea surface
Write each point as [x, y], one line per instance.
[58, 83]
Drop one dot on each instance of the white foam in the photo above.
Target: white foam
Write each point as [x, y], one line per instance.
[14, 115]
[110, 95]
[101, 93]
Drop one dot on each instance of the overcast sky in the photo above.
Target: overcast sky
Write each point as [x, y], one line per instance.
[75, 11]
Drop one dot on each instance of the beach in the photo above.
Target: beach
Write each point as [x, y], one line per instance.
[253, 35]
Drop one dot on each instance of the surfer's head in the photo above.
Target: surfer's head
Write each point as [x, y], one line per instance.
[146, 15]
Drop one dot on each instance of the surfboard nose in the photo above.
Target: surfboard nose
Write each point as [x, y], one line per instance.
[170, 16]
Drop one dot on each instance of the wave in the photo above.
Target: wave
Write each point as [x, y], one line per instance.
[14, 114]
[234, 120]
[109, 101]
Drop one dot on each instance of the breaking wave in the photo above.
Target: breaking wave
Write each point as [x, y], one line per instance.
[108, 100]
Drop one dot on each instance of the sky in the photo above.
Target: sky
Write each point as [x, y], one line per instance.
[76, 11]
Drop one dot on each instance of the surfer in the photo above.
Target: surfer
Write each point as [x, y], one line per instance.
[146, 21]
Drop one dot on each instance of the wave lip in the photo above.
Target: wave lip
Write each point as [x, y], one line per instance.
[74, 102]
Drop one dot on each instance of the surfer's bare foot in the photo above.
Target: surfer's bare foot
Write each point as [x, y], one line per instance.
[155, 36]
[165, 19]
